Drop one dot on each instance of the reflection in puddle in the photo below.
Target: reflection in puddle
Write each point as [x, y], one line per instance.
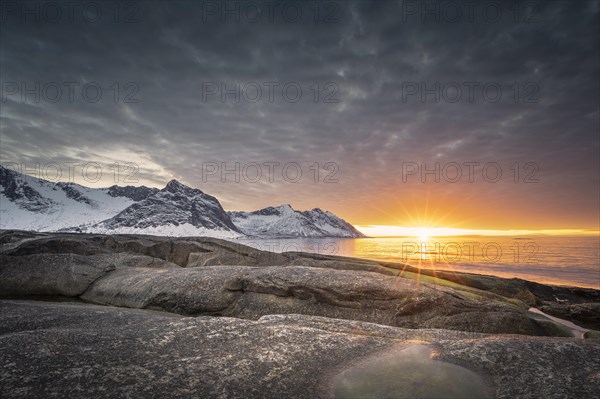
[409, 373]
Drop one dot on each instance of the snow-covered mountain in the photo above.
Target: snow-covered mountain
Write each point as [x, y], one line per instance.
[30, 203]
[175, 210]
[284, 221]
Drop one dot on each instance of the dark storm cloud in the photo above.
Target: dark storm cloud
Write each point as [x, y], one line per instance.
[370, 51]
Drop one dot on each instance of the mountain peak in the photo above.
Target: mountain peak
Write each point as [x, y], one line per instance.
[285, 209]
[175, 186]
[283, 222]
[7, 171]
[174, 182]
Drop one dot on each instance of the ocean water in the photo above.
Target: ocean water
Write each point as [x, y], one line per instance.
[572, 261]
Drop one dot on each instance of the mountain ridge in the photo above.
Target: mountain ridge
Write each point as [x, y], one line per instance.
[31, 203]
[285, 222]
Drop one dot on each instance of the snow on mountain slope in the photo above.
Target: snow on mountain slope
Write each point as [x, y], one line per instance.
[284, 221]
[175, 210]
[171, 230]
[334, 226]
[30, 203]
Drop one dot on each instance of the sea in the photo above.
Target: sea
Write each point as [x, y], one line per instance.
[568, 261]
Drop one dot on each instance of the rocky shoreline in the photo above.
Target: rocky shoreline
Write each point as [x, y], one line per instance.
[202, 317]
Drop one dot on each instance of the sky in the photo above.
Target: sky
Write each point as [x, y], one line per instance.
[384, 112]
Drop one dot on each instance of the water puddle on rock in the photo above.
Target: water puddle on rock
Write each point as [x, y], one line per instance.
[576, 330]
[408, 373]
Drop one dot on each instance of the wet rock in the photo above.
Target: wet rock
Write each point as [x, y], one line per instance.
[410, 373]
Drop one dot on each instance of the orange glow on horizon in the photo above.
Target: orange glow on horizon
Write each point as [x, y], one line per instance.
[426, 232]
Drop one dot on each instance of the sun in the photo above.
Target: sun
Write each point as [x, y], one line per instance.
[423, 233]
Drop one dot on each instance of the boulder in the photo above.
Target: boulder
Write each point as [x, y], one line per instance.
[66, 275]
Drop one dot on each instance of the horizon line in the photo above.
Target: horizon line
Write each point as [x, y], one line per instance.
[382, 231]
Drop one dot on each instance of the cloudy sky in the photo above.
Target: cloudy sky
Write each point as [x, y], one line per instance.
[358, 97]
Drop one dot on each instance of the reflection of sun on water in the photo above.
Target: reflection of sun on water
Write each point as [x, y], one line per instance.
[423, 234]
